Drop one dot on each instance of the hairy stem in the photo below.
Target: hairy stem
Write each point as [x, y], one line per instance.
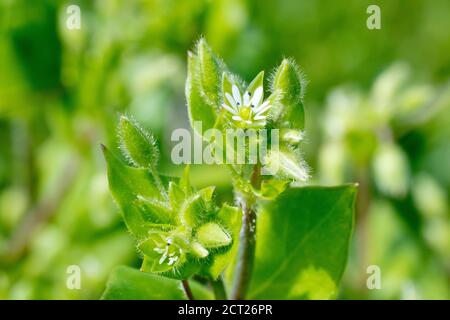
[187, 289]
[247, 242]
[219, 289]
[158, 182]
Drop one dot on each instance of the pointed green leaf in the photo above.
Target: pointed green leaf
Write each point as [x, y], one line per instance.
[126, 183]
[303, 239]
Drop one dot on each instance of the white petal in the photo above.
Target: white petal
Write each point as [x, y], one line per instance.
[260, 123]
[172, 260]
[162, 258]
[228, 108]
[246, 98]
[237, 118]
[262, 110]
[257, 96]
[248, 121]
[259, 118]
[237, 95]
[265, 103]
[230, 99]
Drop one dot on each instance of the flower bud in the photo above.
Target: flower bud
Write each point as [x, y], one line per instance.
[136, 144]
[210, 72]
[198, 107]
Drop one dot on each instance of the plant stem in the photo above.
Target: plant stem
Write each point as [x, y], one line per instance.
[247, 242]
[187, 289]
[246, 254]
[219, 289]
[158, 182]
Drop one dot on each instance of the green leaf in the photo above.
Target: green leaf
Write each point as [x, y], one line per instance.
[126, 183]
[200, 292]
[288, 79]
[130, 284]
[303, 239]
[137, 145]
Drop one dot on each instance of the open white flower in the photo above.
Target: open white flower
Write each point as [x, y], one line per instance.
[247, 110]
[169, 252]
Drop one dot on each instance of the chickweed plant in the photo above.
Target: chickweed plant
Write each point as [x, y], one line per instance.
[280, 239]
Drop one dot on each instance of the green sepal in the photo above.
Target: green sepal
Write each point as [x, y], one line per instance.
[194, 207]
[155, 211]
[257, 82]
[231, 219]
[198, 108]
[212, 235]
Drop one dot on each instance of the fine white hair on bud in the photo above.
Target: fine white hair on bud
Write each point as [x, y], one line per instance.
[137, 145]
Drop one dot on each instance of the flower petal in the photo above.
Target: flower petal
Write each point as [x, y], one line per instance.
[260, 123]
[230, 99]
[247, 98]
[163, 258]
[257, 96]
[236, 95]
[237, 118]
[229, 109]
[263, 108]
[259, 117]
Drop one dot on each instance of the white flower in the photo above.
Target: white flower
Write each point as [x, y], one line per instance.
[169, 251]
[247, 111]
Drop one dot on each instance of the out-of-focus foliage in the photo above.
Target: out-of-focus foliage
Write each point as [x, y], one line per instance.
[381, 139]
[387, 126]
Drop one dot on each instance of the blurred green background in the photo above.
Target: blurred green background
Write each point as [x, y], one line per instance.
[377, 106]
